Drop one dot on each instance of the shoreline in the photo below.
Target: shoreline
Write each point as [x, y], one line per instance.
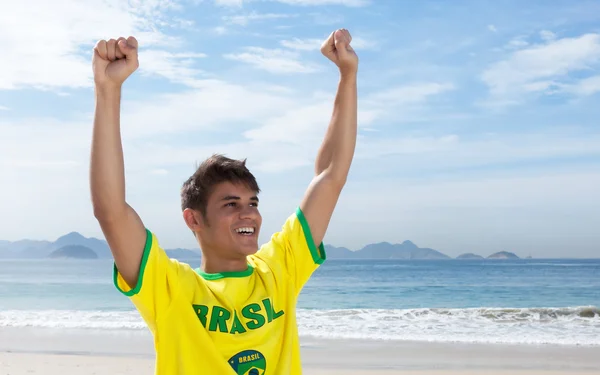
[23, 349]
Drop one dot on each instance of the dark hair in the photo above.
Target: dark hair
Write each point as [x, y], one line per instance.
[216, 169]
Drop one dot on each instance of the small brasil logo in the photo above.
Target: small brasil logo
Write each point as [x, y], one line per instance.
[248, 362]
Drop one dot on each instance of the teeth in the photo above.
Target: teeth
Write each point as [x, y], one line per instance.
[245, 230]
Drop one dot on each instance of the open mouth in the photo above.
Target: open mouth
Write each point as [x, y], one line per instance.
[245, 231]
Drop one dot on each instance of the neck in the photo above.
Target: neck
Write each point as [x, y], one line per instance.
[211, 265]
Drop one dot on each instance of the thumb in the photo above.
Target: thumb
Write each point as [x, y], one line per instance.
[341, 42]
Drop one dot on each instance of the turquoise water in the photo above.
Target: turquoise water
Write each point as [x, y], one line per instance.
[508, 301]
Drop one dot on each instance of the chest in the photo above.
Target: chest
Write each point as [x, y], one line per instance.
[242, 306]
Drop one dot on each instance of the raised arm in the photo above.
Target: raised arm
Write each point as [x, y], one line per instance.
[337, 150]
[113, 62]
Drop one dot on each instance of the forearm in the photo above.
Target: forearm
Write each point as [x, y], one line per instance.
[337, 150]
[107, 176]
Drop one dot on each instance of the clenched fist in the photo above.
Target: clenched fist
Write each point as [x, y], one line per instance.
[337, 49]
[114, 61]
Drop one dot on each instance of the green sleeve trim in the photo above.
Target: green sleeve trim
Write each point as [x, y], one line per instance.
[221, 275]
[138, 285]
[317, 253]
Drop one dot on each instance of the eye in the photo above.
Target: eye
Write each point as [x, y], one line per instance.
[230, 204]
[254, 204]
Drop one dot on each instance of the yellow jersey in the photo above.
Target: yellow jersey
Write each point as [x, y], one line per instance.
[229, 322]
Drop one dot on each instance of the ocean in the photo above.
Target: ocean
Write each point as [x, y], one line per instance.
[525, 301]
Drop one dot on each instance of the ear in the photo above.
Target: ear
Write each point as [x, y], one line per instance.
[193, 219]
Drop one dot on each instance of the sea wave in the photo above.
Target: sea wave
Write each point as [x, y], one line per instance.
[562, 326]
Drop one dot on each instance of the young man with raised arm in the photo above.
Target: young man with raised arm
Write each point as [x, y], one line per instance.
[235, 314]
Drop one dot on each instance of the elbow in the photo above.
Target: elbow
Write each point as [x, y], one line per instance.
[336, 180]
[105, 213]
[102, 214]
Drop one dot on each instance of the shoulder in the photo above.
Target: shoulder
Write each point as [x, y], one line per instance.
[293, 239]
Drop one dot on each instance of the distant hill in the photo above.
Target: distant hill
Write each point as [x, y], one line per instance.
[72, 242]
[183, 254]
[503, 255]
[100, 247]
[385, 250]
[74, 251]
[32, 249]
[337, 252]
[469, 256]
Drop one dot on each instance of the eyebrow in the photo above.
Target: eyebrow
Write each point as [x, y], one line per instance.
[235, 197]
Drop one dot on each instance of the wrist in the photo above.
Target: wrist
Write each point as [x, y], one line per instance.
[107, 89]
[348, 76]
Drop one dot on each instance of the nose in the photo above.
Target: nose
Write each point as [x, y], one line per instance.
[249, 212]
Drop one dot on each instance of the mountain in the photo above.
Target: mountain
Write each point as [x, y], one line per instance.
[69, 245]
[31, 249]
[469, 256]
[100, 247]
[73, 251]
[338, 252]
[183, 254]
[503, 255]
[385, 250]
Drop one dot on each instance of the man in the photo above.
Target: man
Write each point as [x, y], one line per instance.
[236, 313]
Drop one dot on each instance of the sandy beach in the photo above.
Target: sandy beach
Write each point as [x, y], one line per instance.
[21, 364]
[70, 352]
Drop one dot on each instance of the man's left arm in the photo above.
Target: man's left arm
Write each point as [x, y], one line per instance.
[337, 150]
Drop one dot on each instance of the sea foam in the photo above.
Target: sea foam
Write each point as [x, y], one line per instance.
[562, 326]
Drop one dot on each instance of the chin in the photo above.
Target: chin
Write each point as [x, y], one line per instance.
[249, 251]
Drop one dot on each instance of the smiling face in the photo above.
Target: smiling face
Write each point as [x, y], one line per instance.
[229, 230]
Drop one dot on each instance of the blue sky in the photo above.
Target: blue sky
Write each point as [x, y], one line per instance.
[479, 121]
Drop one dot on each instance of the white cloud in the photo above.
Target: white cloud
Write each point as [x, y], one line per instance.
[281, 129]
[409, 94]
[542, 67]
[314, 44]
[209, 105]
[547, 35]
[220, 30]
[348, 3]
[302, 44]
[492, 28]
[452, 151]
[297, 126]
[277, 61]
[307, 121]
[517, 43]
[230, 3]
[3, 108]
[585, 87]
[244, 19]
[53, 48]
[176, 67]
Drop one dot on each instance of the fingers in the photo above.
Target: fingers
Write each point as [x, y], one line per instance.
[118, 53]
[129, 47]
[114, 49]
[348, 36]
[111, 47]
[132, 42]
[101, 49]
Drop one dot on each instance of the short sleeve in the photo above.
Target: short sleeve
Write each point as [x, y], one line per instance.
[157, 285]
[294, 249]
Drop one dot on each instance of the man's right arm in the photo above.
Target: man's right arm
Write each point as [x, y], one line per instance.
[121, 225]
[113, 62]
